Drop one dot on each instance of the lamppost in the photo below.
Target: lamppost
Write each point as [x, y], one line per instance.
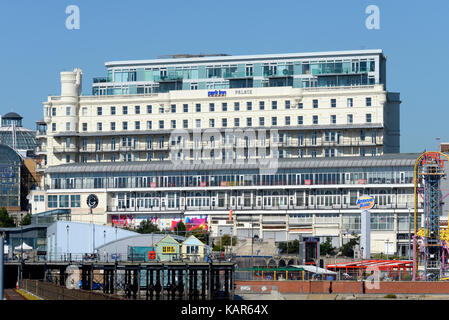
[21, 238]
[116, 243]
[409, 234]
[68, 228]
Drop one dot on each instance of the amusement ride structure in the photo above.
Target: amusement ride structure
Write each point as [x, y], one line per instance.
[430, 243]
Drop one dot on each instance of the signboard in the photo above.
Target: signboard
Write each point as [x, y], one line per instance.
[115, 256]
[151, 255]
[216, 93]
[307, 182]
[92, 201]
[365, 203]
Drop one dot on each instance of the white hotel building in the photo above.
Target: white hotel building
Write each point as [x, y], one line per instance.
[337, 137]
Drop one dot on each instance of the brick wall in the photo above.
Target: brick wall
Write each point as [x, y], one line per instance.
[293, 286]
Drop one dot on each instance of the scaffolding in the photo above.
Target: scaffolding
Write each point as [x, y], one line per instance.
[428, 246]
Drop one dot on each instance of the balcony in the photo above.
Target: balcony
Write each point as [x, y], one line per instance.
[236, 75]
[168, 78]
[64, 149]
[100, 80]
[283, 73]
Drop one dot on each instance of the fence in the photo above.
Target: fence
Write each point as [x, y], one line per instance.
[50, 291]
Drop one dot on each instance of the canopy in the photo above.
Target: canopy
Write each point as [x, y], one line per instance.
[25, 247]
[314, 269]
[380, 264]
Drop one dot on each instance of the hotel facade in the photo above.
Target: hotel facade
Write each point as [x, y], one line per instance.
[286, 142]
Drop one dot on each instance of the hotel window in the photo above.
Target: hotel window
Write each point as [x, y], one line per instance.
[161, 124]
[137, 109]
[315, 103]
[362, 135]
[315, 119]
[112, 144]
[125, 125]
[300, 105]
[84, 144]
[300, 120]
[53, 112]
[67, 126]
[67, 158]
[137, 125]
[161, 110]
[262, 105]
[149, 125]
[173, 124]
[249, 106]
[274, 105]
[300, 139]
[149, 156]
[350, 102]
[368, 117]
[274, 121]
[112, 126]
[149, 142]
[185, 124]
[67, 111]
[75, 201]
[314, 138]
[224, 122]
[98, 144]
[125, 110]
[249, 122]
[373, 152]
[224, 106]
[149, 109]
[212, 123]
[53, 127]
[173, 108]
[287, 120]
[373, 136]
[287, 104]
[333, 103]
[313, 153]
[185, 107]
[368, 102]
[236, 122]
[198, 123]
[84, 126]
[84, 111]
[211, 107]
[261, 121]
[333, 119]
[113, 158]
[350, 118]
[236, 106]
[83, 159]
[198, 107]
[362, 151]
[193, 86]
[112, 110]
[99, 126]
[64, 201]
[52, 201]
[99, 111]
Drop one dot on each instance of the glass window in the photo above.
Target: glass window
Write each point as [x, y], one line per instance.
[300, 120]
[125, 125]
[112, 126]
[368, 101]
[125, 110]
[261, 121]
[262, 105]
[75, 201]
[333, 103]
[333, 119]
[274, 121]
[149, 125]
[173, 108]
[315, 103]
[224, 106]
[185, 124]
[67, 111]
[349, 118]
[224, 122]
[236, 106]
[368, 117]
[137, 125]
[99, 111]
[149, 109]
[112, 110]
[249, 106]
[249, 122]
[63, 201]
[350, 102]
[211, 107]
[236, 122]
[137, 109]
[161, 124]
[185, 107]
[274, 105]
[315, 119]
[99, 126]
[198, 107]
[287, 120]
[52, 201]
[287, 104]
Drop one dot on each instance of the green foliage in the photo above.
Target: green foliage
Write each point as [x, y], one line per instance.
[26, 220]
[289, 247]
[147, 226]
[225, 241]
[5, 220]
[180, 229]
[348, 248]
[326, 247]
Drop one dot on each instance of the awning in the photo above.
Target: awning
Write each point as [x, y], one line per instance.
[380, 264]
[25, 247]
[314, 269]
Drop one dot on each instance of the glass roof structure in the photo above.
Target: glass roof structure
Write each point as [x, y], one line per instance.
[25, 138]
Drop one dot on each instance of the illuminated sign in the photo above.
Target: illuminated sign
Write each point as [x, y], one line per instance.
[365, 203]
[151, 255]
[216, 93]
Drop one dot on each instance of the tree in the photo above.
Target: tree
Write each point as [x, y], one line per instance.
[289, 247]
[326, 247]
[26, 220]
[147, 226]
[180, 229]
[348, 248]
[5, 220]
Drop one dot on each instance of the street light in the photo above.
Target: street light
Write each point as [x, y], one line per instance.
[21, 238]
[68, 228]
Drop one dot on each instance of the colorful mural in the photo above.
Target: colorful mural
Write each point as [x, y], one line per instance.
[199, 222]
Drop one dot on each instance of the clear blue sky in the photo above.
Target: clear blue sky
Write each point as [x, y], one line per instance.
[36, 46]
